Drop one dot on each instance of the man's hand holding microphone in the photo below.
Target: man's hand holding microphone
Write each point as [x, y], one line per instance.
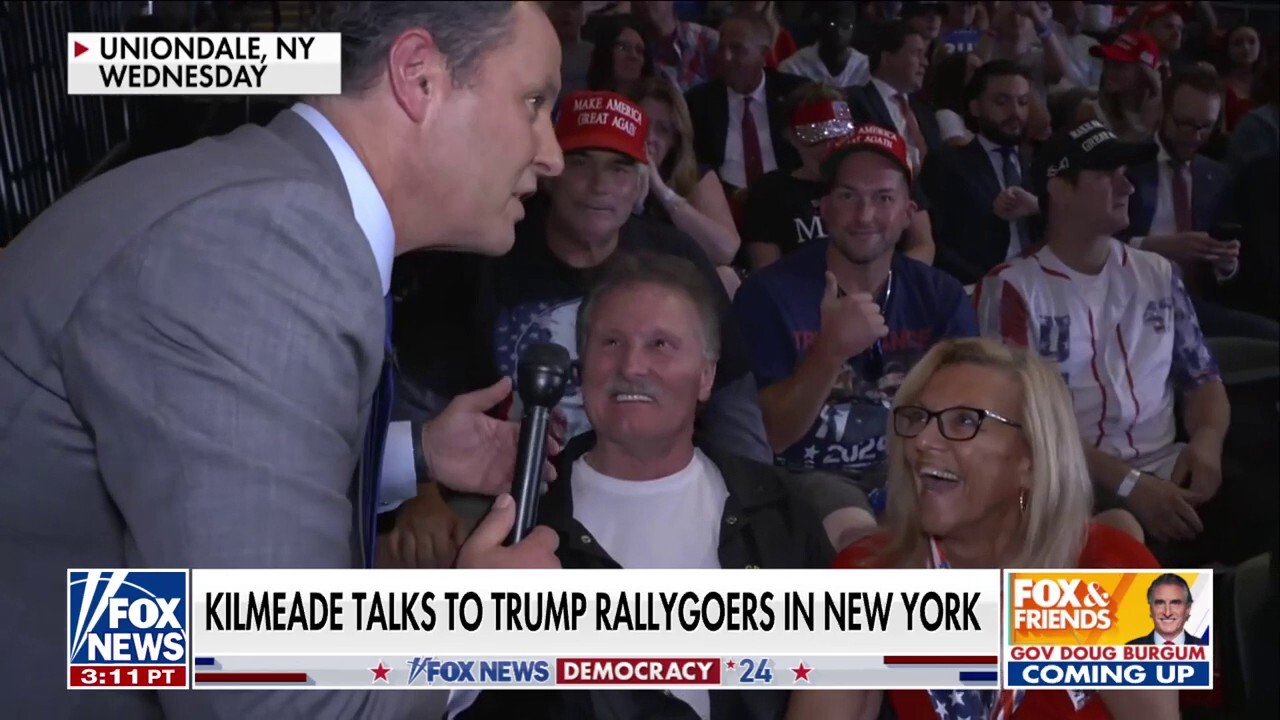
[469, 451]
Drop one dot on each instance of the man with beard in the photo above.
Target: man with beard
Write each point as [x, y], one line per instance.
[982, 214]
[824, 324]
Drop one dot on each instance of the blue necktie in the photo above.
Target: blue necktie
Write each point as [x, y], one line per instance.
[375, 440]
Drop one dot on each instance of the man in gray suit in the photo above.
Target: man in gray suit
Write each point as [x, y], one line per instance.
[191, 342]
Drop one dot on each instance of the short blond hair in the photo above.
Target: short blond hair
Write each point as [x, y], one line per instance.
[1053, 528]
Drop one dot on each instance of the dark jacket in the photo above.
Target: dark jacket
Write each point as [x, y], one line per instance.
[709, 111]
[962, 186]
[1210, 202]
[866, 105]
[764, 525]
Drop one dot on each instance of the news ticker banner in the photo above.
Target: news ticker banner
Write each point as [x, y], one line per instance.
[196, 63]
[359, 629]
[514, 628]
[1096, 630]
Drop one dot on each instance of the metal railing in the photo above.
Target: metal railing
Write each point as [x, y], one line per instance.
[48, 139]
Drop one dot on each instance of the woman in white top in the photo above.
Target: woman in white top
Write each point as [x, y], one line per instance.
[950, 77]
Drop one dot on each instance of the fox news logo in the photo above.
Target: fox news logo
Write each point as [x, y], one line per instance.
[127, 617]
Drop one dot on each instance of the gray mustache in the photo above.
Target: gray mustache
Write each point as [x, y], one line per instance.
[632, 387]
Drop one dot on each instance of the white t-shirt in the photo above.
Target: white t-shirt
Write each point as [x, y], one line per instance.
[808, 64]
[950, 124]
[670, 522]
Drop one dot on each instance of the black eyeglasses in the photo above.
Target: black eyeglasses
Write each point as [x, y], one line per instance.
[955, 423]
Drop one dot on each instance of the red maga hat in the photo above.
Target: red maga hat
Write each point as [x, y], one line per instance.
[1130, 47]
[868, 137]
[603, 121]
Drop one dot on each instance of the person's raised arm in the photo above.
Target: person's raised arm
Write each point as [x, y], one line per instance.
[850, 325]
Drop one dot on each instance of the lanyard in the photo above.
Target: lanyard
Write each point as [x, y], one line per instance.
[1005, 701]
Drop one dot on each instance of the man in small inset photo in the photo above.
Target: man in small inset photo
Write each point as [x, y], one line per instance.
[1170, 599]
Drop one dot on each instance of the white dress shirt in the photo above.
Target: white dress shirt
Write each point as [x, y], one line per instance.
[996, 155]
[1181, 639]
[399, 480]
[807, 63]
[890, 96]
[734, 169]
[1164, 221]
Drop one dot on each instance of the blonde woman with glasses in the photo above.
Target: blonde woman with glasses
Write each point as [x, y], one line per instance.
[986, 470]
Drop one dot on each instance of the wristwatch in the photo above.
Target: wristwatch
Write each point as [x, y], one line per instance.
[419, 455]
[1129, 483]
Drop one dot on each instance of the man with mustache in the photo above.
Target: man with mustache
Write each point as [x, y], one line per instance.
[643, 490]
[981, 213]
[580, 220]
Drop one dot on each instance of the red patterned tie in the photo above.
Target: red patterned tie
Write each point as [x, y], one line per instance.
[1182, 219]
[1168, 642]
[914, 134]
[752, 159]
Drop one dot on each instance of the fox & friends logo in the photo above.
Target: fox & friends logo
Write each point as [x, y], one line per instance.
[127, 628]
[1108, 628]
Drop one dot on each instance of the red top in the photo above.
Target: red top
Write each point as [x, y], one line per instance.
[1234, 107]
[1105, 547]
[784, 46]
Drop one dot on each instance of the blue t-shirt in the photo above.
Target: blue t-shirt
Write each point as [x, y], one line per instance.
[779, 311]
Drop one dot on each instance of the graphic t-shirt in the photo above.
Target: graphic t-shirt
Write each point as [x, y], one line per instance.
[537, 298]
[782, 210]
[779, 310]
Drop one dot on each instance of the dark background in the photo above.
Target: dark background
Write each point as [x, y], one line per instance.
[50, 142]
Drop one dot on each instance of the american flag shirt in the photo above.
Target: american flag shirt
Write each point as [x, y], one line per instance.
[1126, 340]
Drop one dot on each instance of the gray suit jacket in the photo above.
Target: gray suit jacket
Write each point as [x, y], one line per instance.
[189, 348]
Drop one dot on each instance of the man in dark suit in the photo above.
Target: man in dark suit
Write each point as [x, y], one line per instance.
[1170, 600]
[194, 366]
[898, 62]
[1179, 200]
[738, 123]
[982, 214]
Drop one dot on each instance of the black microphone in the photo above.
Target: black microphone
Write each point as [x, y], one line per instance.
[541, 376]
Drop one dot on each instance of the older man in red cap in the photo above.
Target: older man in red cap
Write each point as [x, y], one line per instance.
[577, 222]
[833, 327]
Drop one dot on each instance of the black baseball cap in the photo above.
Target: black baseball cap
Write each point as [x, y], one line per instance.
[1090, 146]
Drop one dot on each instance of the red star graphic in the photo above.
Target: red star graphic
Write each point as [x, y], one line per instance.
[802, 672]
[731, 664]
[380, 673]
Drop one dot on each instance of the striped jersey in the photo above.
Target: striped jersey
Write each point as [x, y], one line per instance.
[1125, 340]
